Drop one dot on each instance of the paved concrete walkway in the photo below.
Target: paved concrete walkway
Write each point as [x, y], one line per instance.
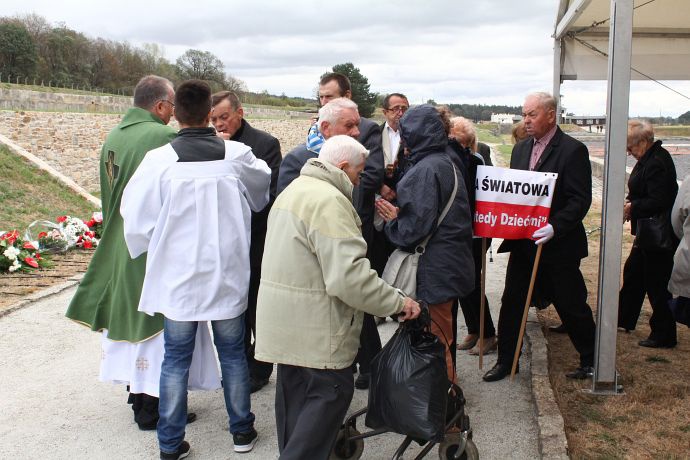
[54, 407]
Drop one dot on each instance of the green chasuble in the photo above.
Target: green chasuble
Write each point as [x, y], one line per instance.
[108, 295]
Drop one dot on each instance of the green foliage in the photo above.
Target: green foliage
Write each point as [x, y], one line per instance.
[28, 194]
[481, 112]
[684, 118]
[201, 65]
[365, 100]
[54, 56]
[18, 54]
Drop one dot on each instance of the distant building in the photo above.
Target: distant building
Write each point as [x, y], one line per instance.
[505, 118]
[585, 120]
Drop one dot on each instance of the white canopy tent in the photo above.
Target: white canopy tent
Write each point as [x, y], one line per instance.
[660, 39]
[617, 40]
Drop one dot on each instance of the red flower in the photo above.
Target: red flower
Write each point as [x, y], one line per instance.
[88, 244]
[28, 245]
[37, 256]
[11, 237]
[90, 234]
[61, 219]
[42, 235]
[30, 262]
[91, 223]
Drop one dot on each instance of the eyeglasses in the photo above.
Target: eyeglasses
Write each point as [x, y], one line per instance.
[398, 108]
[165, 100]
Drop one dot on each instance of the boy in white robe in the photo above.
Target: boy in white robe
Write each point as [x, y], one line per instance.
[189, 205]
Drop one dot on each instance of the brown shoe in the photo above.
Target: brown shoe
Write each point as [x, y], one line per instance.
[490, 346]
[469, 341]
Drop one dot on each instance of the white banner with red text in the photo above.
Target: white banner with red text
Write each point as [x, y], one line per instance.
[511, 203]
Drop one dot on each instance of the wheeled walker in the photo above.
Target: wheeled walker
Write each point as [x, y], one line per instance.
[455, 445]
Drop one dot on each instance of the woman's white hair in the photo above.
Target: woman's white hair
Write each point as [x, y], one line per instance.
[331, 111]
[341, 148]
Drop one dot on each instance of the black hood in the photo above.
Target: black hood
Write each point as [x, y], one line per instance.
[422, 131]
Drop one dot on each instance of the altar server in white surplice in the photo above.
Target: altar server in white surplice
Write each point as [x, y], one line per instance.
[189, 205]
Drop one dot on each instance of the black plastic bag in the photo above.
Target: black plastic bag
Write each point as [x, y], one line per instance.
[409, 386]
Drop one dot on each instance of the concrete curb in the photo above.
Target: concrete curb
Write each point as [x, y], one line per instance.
[42, 165]
[552, 441]
[43, 293]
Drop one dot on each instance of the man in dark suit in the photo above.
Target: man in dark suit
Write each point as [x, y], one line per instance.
[227, 116]
[340, 116]
[549, 149]
[331, 86]
[394, 107]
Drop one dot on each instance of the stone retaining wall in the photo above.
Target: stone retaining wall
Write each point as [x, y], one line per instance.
[71, 142]
[21, 99]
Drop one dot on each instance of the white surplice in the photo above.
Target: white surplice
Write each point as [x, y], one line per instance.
[139, 364]
[194, 219]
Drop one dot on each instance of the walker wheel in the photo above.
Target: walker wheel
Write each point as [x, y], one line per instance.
[452, 443]
[346, 449]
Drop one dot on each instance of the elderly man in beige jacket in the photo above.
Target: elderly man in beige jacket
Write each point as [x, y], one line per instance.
[316, 284]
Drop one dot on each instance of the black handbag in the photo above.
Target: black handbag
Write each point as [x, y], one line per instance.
[655, 233]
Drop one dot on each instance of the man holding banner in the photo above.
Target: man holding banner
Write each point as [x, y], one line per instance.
[560, 232]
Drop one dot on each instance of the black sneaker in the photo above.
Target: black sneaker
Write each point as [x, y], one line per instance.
[182, 452]
[244, 442]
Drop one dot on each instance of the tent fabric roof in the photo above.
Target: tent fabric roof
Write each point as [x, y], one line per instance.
[661, 39]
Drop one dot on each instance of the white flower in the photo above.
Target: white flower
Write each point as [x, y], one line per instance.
[11, 253]
[15, 266]
[98, 217]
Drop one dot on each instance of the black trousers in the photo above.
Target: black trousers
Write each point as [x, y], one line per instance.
[311, 405]
[648, 272]
[145, 408]
[470, 305]
[369, 344]
[569, 297]
[258, 370]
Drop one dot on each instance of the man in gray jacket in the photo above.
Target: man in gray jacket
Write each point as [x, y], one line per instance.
[316, 284]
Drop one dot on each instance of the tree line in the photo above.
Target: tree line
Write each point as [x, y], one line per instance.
[33, 50]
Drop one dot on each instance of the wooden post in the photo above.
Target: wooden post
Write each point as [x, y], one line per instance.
[518, 347]
[482, 306]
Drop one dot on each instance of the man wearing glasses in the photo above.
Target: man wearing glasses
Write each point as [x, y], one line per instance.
[394, 107]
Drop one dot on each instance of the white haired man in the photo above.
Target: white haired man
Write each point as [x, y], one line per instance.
[316, 284]
[339, 116]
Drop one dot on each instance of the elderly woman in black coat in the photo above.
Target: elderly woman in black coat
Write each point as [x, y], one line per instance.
[446, 269]
[652, 189]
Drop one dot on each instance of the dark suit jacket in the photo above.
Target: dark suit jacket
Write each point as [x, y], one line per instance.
[572, 197]
[652, 187]
[371, 179]
[267, 148]
[393, 179]
[292, 165]
[485, 151]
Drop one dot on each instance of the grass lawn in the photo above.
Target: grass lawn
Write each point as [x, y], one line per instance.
[672, 130]
[28, 194]
[652, 418]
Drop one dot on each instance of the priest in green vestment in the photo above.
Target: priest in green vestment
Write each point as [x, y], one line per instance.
[108, 295]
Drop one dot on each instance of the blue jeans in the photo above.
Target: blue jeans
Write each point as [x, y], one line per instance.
[180, 337]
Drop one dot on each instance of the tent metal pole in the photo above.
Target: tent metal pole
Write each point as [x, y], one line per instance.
[605, 380]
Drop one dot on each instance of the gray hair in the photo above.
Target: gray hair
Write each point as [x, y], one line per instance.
[331, 111]
[150, 90]
[463, 131]
[640, 130]
[341, 148]
[546, 100]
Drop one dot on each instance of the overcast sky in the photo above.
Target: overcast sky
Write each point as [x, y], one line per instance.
[452, 51]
